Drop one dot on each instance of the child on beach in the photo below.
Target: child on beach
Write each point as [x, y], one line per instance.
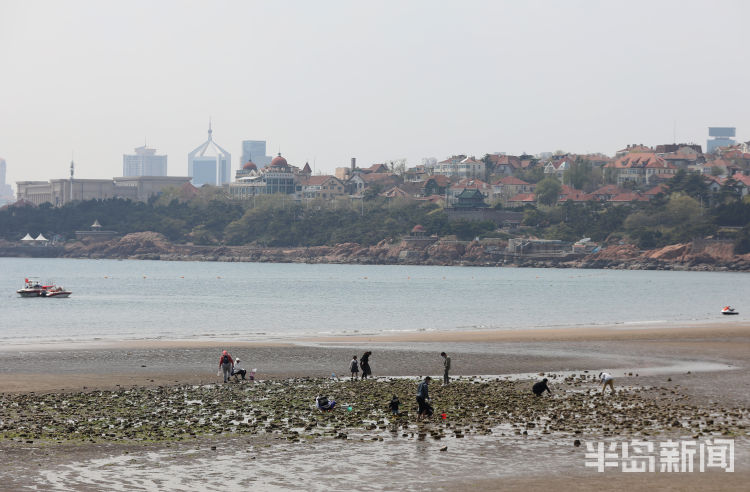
[607, 380]
[393, 405]
[354, 367]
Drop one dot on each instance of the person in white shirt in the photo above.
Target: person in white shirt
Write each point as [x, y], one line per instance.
[606, 380]
[237, 370]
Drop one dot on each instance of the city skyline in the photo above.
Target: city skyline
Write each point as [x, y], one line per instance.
[376, 82]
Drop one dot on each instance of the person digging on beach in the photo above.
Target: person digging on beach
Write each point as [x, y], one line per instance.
[354, 367]
[364, 362]
[225, 365]
[446, 367]
[237, 370]
[423, 397]
[393, 405]
[323, 404]
[607, 380]
[540, 387]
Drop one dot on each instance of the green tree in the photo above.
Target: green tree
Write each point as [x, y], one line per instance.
[548, 191]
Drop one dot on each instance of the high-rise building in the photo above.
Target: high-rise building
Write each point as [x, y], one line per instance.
[255, 151]
[6, 191]
[721, 137]
[144, 162]
[209, 163]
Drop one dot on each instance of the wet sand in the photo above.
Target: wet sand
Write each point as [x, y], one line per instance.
[701, 365]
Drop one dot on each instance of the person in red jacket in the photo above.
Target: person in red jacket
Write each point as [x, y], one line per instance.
[226, 364]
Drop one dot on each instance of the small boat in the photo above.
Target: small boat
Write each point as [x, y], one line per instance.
[34, 288]
[728, 310]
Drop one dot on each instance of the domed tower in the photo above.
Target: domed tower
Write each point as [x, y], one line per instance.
[279, 177]
[279, 163]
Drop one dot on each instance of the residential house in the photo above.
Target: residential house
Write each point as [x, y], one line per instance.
[634, 148]
[504, 164]
[682, 160]
[436, 185]
[321, 187]
[570, 193]
[641, 168]
[359, 182]
[652, 192]
[743, 184]
[416, 173]
[510, 186]
[605, 193]
[627, 197]
[522, 199]
[377, 168]
[460, 166]
[403, 190]
[557, 167]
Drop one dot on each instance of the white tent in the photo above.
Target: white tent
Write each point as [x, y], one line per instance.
[40, 238]
[27, 237]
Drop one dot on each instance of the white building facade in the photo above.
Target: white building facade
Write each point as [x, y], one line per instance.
[144, 162]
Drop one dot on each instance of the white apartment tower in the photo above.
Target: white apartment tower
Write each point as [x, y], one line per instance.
[144, 162]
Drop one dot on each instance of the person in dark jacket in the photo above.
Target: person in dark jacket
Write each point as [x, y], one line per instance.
[446, 367]
[540, 387]
[364, 363]
[393, 405]
[423, 397]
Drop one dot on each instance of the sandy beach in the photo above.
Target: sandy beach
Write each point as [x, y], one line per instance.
[693, 374]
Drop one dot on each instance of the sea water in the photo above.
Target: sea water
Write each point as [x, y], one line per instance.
[133, 299]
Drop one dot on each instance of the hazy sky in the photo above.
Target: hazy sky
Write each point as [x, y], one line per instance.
[327, 80]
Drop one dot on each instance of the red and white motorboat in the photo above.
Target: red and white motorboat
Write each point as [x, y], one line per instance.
[35, 288]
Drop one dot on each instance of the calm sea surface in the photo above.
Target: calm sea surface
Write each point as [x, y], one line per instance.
[259, 301]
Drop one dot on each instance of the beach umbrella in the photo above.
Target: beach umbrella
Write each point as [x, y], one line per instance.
[40, 238]
[27, 237]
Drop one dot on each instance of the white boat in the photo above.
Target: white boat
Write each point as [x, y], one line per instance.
[35, 288]
[728, 310]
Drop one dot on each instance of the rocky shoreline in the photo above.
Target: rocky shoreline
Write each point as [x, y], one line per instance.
[286, 408]
[700, 255]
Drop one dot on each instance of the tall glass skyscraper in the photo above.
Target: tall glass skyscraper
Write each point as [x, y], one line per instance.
[255, 150]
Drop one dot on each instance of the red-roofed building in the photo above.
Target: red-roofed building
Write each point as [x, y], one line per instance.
[637, 148]
[522, 199]
[743, 183]
[504, 164]
[652, 192]
[377, 168]
[641, 168]
[569, 193]
[510, 186]
[627, 197]
[359, 182]
[606, 192]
